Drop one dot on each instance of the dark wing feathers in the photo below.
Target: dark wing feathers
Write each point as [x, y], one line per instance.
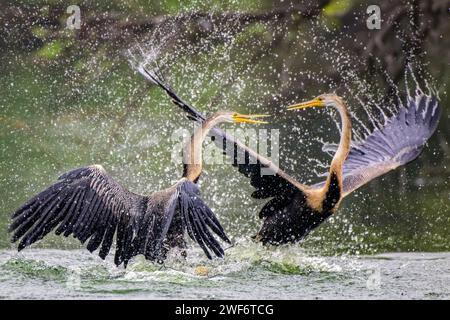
[90, 205]
[198, 218]
[398, 142]
[85, 202]
[268, 183]
[249, 164]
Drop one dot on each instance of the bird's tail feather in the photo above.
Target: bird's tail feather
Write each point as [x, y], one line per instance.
[155, 78]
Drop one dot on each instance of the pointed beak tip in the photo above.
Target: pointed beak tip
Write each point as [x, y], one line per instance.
[251, 118]
[304, 105]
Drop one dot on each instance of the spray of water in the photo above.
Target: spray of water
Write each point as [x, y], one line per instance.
[222, 71]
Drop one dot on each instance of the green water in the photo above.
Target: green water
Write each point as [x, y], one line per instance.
[80, 104]
[407, 211]
[248, 272]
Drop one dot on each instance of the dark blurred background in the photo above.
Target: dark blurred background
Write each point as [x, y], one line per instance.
[69, 97]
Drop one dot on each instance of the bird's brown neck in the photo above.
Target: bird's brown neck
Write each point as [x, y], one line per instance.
[345, 141]
[334, 185]
[329, 196]
[192, 151]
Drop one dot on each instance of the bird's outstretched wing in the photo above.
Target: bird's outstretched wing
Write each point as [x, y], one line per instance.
[265, 176]
[89, 204]
[398, 142]
[86, 203]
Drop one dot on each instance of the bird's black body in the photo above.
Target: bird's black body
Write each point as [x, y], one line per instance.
[293, 209]
[289, 221]
[91, 206]
[289, 218]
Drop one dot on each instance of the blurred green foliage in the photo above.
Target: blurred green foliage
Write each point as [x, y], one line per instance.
[338, 7]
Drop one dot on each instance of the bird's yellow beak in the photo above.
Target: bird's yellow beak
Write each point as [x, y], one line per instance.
[249, 118]
[317, 102]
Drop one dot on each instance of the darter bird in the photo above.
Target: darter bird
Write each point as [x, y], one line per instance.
[293, 208]
[90, 205]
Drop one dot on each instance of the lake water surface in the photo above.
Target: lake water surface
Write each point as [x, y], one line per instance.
[248, 272]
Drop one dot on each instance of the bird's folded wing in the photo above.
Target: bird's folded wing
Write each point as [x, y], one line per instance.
[398, 142]
[87, 203]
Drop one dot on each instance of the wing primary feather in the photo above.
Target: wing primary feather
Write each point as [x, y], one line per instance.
[94, 212]
[63, 225]
[211, 221]
[42, 225]
[109, 236]
[95, 221]
[28, 223]
[87, 203]
[196, 235]
[71, 218]
[206, 236]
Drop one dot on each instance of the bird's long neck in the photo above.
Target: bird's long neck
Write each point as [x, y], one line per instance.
[192, 151]
[333, 189]
[346, 137]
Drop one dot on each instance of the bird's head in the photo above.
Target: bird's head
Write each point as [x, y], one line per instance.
[235, 117]
[324, 100]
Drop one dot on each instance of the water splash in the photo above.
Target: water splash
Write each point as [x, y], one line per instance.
[287, 273]
[226, 74]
